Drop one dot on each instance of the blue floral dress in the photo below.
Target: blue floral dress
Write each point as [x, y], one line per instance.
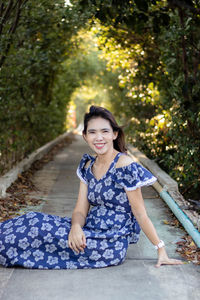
[40, 241]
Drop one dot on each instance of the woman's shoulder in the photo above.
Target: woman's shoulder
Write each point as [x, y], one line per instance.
[87, 164]
[131, 175]
[86, 160]
[83, 167]
[123, 161]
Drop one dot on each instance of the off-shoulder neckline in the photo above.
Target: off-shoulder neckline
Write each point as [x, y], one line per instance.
[133, 163]
[92, 159]
[112, 165]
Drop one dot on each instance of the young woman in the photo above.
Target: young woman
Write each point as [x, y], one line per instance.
[96, 236]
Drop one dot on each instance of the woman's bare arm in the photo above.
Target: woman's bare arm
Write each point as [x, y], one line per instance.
[139, 211]
[76, 238]
[82, 206]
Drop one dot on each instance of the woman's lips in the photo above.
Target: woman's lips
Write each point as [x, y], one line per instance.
[99, 145]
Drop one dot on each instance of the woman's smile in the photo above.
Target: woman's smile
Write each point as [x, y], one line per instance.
[99, 145]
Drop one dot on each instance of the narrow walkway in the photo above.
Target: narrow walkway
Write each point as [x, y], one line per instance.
[136, 278]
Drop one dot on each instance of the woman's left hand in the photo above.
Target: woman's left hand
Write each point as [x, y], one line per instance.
[163, 259]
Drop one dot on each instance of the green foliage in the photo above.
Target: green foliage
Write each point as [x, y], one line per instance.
[145, 62]
[154, 47]
[35, 39]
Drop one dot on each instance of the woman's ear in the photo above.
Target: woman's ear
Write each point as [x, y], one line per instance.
[115, 134]
[84, 136]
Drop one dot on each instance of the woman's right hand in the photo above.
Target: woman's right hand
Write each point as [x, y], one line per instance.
[76, 238]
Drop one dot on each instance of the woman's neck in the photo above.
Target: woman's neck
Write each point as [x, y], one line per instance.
[104, 159]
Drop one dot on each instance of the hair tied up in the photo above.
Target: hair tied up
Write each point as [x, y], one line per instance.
[92, 109]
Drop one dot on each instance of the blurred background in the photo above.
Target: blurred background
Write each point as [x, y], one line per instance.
[140, 59]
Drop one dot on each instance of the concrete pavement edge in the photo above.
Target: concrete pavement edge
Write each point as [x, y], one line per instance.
[7, 179]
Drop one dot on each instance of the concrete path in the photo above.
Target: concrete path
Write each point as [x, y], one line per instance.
[136, 278]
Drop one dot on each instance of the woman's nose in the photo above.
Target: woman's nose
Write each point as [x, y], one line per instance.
[98, 136]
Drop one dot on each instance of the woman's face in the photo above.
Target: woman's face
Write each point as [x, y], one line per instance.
[100, 135]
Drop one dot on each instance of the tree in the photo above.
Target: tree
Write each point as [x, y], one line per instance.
[155, 46]
[35, 38]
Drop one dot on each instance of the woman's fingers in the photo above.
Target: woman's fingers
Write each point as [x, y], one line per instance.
[84, 241]
[74, 247]
[72, 244]
[77, 239]
[77, 244]
[168, 262]
[81, 243]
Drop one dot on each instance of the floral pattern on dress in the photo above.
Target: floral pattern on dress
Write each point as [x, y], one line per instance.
[40, 241]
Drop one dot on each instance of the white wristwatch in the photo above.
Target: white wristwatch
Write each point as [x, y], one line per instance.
[160, 245]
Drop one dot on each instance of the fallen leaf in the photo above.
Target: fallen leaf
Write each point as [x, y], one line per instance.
[166, 222]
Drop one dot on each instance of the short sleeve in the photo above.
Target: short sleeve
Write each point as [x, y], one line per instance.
[134, 176]
[82, 170]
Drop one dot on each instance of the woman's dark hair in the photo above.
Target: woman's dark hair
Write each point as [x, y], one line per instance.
[98, 111]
